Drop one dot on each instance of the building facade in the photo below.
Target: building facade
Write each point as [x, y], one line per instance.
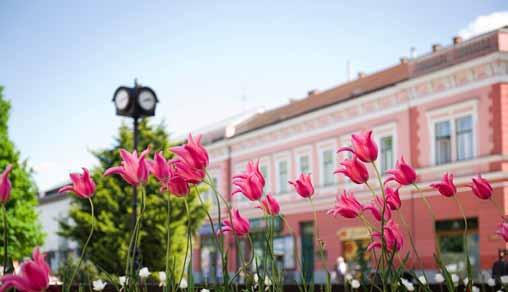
[446, 111]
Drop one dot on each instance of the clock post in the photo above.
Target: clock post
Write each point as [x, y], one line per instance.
[135, 102]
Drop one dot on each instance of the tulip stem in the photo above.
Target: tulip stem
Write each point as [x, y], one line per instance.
[429, 207]
[169, 273]
[466, 245]
[298, 262]
[189, 244]
[84, 246]
[6, 258]
[321, 247]
[498, 208]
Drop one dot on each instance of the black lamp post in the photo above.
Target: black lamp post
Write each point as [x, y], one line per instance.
[135, 102]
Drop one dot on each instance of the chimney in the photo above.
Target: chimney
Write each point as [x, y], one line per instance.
[404, 60]
[436, 47]
[457, 40]
[312, 92]
[361, 75]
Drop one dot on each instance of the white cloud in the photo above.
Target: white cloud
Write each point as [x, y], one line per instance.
[485, 23]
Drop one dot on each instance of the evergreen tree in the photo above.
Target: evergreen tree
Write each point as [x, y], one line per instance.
[113, 201]
[24, 230]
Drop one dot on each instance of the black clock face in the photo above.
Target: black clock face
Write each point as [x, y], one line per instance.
[122, 99]
[146, 100]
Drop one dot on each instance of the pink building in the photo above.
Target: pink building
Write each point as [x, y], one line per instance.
[444, 111]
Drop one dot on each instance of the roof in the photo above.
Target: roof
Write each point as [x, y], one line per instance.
[314, 101]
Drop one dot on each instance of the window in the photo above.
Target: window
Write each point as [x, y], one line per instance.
[284, 250]
[464, 133]
[283, 177]
[304, 163]
[327, 168]
[451, 243]
[386, 159]
[443, 142]
[264, 170]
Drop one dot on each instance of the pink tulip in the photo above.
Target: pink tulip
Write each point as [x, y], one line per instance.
[355, 170]
[190, 174]
[403, 173]
[134, 169]
[82, 185]
[394, 239]
[33, 275]
[5, 185]
[347, 206]
[250, 183]
[238, 224]
[446, 186]
[481, 188]
[192, 153]
[363, 146]
[175, 183]
[159, 167]
[392, 198]
[502, 230]
[303, 185]
[270, 205]
[376, 209]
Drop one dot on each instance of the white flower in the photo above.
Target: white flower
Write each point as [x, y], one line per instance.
[491, 282]
[504, 279]
[455, 279]
[162, 278]
[122, 280]
[144, 273]
[439, 278]
[268, 282]
[98, 285]
[355, 284]
[422, 280]
[452, 268]
[256, 278]
[348, 277]
[409, 286]
[476, 289]
[466, 280]
[204, 290]
[183, 283]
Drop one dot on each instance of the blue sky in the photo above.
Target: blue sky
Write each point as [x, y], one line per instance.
[62, 60]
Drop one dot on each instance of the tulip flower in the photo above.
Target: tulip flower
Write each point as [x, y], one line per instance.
[159, 167]
[363, 146]
[376, 208]
[355, 170]
[392, 235]
[82, 185]
[303, 186]
[446, 186]
[192, 153]
[5, 185]
[238, 224]
[270, 205]
[392, 198]
[190, 174]
[502, 230]
[403, 173]
[250, 183]
[134, 169]
[481, 188]
[347, 206]
[33, 275]
[175, 183]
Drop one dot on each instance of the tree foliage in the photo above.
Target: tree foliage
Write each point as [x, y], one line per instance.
[24, 230]
[113, 201]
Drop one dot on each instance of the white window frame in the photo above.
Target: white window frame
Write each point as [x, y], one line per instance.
[284, 156]
[451, 114]
[322, 147]
[301, 152]
[380, 132]
[266, 162]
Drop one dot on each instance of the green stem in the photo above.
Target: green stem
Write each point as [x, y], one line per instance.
[84, 246]
[168, 247]
[6, 225]
[466, 246]
[498, 208]
[298, 262]
[321, 248]
[188, 244]
[429, 207]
